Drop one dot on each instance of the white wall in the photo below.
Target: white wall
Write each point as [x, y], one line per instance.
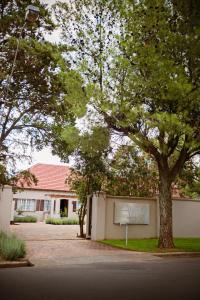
[6, 197]
[116, 231]
[103, 226]
[98, 216]
[186, 218]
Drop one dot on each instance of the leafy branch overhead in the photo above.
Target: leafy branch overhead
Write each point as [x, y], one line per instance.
[39, 96]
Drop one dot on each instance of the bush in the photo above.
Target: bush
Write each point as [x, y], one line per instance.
[26, 219]
[11, 248]
[63, 221]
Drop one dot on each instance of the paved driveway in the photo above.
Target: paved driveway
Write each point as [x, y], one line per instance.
[43, 232]
[58, 245]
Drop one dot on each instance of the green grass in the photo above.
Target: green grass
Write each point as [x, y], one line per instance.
[11, 248]
[150, 245]
[62, 221]
[25, 219]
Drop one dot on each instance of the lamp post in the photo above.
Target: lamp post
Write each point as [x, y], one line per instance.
[32, 15]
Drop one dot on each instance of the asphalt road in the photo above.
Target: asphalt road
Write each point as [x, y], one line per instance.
[169, 278]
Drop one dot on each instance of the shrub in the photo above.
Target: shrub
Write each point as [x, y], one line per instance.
[63, 221]
[11, 248]
[26, 219]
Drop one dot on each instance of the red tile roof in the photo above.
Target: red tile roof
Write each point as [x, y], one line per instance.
[50, 177]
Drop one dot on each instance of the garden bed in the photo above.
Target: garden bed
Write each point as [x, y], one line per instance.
[61, 221]
[25, 219]
[11, 248]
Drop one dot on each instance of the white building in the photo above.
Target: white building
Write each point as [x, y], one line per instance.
[50, 197]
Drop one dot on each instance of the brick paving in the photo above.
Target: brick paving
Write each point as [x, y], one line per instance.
[58, 245]
[41, 231]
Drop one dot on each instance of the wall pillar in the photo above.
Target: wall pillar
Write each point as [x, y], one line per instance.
[6, 199]
[57, 212]
[52, 208]
[98, 216]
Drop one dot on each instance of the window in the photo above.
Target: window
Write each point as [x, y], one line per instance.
[47, 205]
[26, 204]
[74, 206]
[40, 205]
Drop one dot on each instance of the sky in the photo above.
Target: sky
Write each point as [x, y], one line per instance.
[45, 156]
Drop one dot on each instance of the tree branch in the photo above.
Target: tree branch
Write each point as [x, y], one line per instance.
[183, 157]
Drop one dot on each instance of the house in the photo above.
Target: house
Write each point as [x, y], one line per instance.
[51, 196]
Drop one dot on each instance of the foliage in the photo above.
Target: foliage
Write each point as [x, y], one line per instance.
[16, 178]
[11, 248]
[189, 180]
[133, 174]
[140, 60]
[90, 169]
[90, 151]
[150, 245]
[63, 221]
[64, 213]
[36, 93]
[25, 219]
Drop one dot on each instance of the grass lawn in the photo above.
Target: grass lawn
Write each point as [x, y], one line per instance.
[150, 245]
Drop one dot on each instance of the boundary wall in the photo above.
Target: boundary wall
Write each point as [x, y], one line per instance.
[186, 218]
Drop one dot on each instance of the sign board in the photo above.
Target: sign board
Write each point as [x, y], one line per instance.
[131, 213]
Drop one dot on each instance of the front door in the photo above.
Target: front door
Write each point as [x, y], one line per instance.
[64, 208]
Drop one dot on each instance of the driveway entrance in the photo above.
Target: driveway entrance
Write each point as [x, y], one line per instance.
[45, 232]
[58, 245]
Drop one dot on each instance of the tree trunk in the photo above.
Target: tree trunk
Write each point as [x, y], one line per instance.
[81, 223]
[81, 215]
[165, 204]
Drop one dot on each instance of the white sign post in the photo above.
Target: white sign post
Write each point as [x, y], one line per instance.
[126, 232]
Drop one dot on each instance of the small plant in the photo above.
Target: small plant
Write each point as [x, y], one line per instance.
[19, 211]
[64, 213]
[63, 221]
[25, 219]
[11, 248]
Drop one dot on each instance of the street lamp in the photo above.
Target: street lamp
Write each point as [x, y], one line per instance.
[32, 15]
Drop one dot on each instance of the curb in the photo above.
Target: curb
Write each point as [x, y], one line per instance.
[178, 254]
[15, 264]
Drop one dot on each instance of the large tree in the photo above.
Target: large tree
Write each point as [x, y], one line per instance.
[141, 60]
[37, 86]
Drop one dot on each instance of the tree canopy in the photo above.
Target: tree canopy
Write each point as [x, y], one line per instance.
[38, 95]
[132, 173]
